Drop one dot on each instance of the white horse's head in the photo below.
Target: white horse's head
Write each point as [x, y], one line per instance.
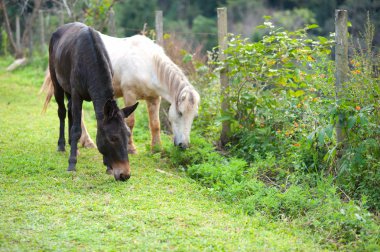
[181, 115]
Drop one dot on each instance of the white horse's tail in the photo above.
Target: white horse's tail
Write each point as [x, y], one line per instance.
[48, 88]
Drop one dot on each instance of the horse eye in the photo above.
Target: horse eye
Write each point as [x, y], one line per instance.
[180, 114]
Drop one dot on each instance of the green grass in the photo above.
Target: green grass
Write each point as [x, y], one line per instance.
[43, 207]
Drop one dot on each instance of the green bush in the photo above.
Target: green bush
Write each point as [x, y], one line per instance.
[283, 116]
[282, 103]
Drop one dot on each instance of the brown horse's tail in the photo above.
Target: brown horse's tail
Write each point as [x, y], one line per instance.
[48, 88]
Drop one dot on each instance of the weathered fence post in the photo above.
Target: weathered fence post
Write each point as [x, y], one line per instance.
[159, 29]
[31, 47]
[111, 23]
[18, 33]
[341, 68]
[164, 118]
[61, 17]
[222, 40]
[42, 30]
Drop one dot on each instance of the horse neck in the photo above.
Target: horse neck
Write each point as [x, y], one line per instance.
[171, 78]
[99, 100]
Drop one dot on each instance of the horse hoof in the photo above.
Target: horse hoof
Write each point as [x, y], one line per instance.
[71, 168]
[61, 149]
[87, 143]
[155, 148]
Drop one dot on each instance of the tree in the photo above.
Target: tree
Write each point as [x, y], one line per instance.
[22, 7]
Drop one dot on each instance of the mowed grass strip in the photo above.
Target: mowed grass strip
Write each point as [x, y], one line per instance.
[43, 207]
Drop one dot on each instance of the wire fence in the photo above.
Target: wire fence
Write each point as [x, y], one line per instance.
[50, 19]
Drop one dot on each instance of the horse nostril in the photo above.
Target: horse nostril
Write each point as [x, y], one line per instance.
[124, 177]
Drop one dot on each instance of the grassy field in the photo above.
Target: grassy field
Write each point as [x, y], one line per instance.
[44, 208]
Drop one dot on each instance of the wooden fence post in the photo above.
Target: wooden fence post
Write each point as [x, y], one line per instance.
[159, 29]
[18, 33]
[341, 68]
[222, 40]
[42, 31]
[164, 107]
[111, 23]
[61, 17]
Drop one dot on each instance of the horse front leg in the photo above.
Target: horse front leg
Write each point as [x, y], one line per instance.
[76, 131]
[154, 122]
[109, 168]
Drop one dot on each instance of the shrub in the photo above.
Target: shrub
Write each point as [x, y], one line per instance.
[283, 115]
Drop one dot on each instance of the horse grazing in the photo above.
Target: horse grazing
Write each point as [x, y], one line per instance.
[80, 68]
[142, 70]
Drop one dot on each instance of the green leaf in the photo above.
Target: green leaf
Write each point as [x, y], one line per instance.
[310, 138]
[187, 58]
[261, 27]
[321, 137]
[267, 17]
[363, 119]
[322, 39]
[225, 118]
[312, 26]
[351, 122]
[298, 93]
[330, 155]
[329, 131]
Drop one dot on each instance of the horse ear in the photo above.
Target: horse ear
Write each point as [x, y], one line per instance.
[129, 110]
[110, 109]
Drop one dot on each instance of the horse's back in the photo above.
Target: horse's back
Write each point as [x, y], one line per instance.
[132, 62]
[77, 54]
[61, 49]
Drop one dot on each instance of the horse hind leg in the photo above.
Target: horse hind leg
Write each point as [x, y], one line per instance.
[85, 139]
[60, 99]
[130, 121]
[69, 114]
[153, 106]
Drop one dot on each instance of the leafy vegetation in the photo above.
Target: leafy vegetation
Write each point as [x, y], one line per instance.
[282, 161]
[313, 203]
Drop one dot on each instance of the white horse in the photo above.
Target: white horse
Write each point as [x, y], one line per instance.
[142, 70]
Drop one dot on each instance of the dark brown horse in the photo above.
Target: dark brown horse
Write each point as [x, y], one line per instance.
[80, 69]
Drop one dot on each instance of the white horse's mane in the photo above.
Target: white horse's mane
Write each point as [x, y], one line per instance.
[168, 73]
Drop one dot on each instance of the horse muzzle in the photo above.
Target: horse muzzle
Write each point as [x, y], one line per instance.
[181, 144]
[121, 170]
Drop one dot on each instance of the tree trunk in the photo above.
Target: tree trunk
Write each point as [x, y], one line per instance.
[18, 52]
[26, 36]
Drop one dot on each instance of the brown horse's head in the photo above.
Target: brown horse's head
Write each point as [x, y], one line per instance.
[112, 139]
